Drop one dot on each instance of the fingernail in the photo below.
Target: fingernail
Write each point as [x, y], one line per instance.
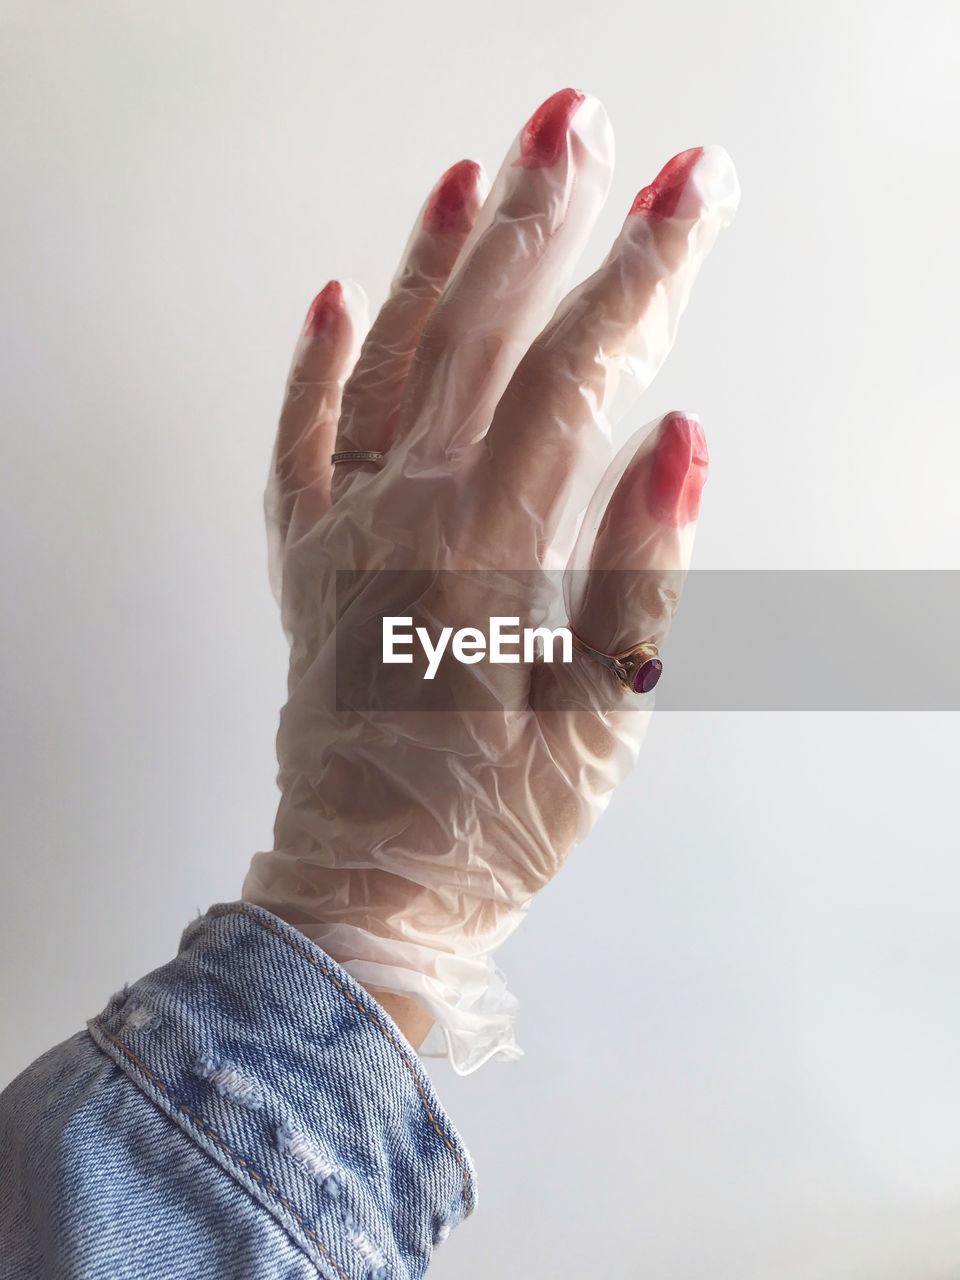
[663, 194]
[545, 133]
[324, 309]
[679, 471]
[447, 208]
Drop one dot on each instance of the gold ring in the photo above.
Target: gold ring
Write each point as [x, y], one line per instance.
[638, 669]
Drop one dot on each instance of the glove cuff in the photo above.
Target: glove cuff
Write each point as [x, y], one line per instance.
[474, 1013]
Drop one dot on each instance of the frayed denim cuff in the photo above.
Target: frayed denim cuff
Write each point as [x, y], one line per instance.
[290, 1076]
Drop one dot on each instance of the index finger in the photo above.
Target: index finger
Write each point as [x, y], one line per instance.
[627, 570]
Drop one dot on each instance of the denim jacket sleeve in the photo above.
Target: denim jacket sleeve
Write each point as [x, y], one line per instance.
[247, 1110]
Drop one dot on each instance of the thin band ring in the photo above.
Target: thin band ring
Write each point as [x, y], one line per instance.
[638, 669]
[355, 455]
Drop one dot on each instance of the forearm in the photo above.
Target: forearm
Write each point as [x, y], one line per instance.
[253, 1104]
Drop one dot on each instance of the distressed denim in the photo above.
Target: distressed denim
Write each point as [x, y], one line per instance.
[247, 1111]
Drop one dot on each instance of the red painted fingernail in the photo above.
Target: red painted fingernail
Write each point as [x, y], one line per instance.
[324, 308]
[447, 209]
[679, 471]
[664, 192]
[545, 133]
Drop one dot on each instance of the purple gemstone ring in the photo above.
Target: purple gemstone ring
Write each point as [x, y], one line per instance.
[638, 669]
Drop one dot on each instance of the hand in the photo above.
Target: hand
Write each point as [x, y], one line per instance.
[409, 842]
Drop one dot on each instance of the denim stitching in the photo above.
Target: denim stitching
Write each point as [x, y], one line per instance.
[382, 1029]
[201, 1124]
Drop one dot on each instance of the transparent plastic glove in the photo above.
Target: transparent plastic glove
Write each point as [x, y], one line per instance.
[409, 842]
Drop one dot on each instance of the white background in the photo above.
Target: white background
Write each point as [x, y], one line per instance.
[740, 999]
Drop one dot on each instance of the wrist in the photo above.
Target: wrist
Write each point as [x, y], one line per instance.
[412, 1019]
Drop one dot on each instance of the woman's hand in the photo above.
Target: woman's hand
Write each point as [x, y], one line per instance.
[418, 819]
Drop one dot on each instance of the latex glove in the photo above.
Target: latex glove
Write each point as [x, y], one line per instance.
[409, 843]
